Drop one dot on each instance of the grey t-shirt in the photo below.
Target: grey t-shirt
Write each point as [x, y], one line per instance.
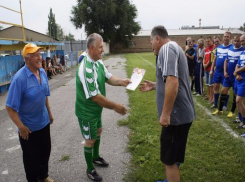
[172, 62]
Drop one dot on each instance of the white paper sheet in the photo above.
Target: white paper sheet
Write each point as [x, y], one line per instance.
[136, 78]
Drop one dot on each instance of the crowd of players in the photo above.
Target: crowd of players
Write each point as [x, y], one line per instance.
[216, 62]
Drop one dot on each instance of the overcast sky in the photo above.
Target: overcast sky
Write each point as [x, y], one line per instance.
[171, 13]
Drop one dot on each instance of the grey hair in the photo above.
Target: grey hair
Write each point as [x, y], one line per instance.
[200, 41]
[159, 31]
[91, 40]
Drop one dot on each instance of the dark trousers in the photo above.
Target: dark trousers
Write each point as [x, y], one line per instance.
[198, 78]
[36, 152]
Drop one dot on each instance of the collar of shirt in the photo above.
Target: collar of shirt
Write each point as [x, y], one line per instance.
[89, 59]
[29, 73]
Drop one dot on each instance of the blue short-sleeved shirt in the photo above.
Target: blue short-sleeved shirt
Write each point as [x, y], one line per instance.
[241, 63]
[221, 55]
[28, 98]
[232, 57]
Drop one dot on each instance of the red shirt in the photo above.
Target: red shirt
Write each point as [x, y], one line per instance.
[208, 51]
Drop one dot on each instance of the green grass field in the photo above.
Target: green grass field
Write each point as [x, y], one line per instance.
[212, 155]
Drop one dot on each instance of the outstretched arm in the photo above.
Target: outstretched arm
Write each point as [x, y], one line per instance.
[115, 81]
[104, 102]
[147, 86]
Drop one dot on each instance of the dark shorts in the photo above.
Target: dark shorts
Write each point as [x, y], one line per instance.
[173, 143]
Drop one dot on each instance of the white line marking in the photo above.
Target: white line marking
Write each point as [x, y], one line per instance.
[15, 136]
[68, 75]
[9, 129]
[13, 148]
[146, 61]
[227, 128]
[83, 142]
[6, 172]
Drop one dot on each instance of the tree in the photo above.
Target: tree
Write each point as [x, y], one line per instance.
[70, 37]
[242, 28]
[1, 27]
[60, 33]
[112, 19]
[52, 26]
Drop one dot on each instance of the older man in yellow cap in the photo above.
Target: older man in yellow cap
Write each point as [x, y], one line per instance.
[28, 107]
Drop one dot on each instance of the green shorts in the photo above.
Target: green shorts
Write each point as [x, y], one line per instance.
[89, 128]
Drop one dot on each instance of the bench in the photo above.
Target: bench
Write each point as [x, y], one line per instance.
[4, 83]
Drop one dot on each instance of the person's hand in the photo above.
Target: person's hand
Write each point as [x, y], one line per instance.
[125, 82]
[226, 75]
[24, 132]
[146, 86]
[238, 77]
[51, 118]
[211, 73]
[186, 54]
[164, 120]
[235, 73]
[120, 109]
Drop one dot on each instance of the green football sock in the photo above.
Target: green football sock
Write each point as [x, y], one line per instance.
[96, 152]
[88, 153]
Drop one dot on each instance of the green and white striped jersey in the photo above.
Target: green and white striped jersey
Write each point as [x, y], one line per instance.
[90, 81]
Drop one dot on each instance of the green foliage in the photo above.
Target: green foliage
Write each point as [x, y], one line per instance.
[242, 28]
[65, 158]
[60, 33]
[52, 26]
[114, 20]
[212, 153]
[1, 27]
[70, 37]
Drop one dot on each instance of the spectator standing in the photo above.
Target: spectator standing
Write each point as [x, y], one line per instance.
[207, 66]
[239, 73]
[229, 80]
[28, 106]
[199, 68]
[174, 100]
[190, 55]
[218, 63]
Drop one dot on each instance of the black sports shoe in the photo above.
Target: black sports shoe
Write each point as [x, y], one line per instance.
[101, 162]
[94, 175]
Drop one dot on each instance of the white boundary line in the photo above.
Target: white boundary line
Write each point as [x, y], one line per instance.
[221, 121]
[146, 61]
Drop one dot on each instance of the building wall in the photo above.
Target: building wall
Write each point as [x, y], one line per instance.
[16, 33]
[143, 44]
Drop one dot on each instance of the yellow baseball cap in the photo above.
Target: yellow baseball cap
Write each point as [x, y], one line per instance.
[30, 48]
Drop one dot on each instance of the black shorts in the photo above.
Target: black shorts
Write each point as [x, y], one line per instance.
[173, 143]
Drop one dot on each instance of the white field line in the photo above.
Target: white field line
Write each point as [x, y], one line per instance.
[221, 122]
[146, 61]
[13, 148]
[6, 172]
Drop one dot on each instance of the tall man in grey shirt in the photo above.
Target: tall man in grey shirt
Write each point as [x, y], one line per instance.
[174, 100]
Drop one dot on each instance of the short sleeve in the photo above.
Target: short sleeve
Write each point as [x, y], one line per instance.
[168, 60]
[15, 93]
[107, 73]
[88, 78]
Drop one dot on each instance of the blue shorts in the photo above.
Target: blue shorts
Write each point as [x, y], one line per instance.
[206, 74]
[241, 88]
[211, 80]
[229, 82]
[218, 77]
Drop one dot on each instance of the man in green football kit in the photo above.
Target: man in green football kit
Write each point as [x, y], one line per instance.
[91, 77]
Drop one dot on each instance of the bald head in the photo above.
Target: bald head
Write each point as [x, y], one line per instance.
[242, 39]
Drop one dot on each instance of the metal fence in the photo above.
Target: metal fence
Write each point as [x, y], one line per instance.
[9, 65]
